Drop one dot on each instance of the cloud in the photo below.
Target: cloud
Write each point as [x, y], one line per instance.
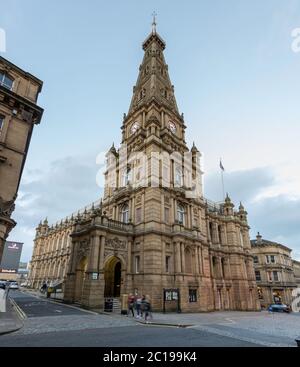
[277, 217]
[61, 188]
[241, 185]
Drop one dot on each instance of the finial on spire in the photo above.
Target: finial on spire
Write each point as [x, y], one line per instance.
[154, 22]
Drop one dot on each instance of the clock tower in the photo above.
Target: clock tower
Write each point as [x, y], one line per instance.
[154, 233]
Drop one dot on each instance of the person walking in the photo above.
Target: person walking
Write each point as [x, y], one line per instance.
[138, 302]
[131, 304]
[146, 307]
[44, 287]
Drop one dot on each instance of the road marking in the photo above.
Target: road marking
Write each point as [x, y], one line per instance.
[57, 310]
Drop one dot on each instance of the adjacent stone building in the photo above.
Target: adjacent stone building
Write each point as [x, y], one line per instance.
[19, 113]
[153, 233]
[296, 269]
[274, 271]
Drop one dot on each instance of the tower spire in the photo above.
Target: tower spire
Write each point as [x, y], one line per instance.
[154, 22]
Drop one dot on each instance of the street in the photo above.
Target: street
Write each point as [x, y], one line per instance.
[52, 324]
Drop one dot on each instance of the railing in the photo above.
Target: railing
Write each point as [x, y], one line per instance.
[217, 207]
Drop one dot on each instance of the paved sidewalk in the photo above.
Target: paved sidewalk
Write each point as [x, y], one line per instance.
[10, 320]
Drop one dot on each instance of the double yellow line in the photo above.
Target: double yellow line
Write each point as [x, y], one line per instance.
[19, 311]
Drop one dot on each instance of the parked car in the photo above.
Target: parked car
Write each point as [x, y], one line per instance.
[14, 285]
[279, 308]
[2, 285]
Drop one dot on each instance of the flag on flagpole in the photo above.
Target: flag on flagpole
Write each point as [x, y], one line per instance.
[221, 166]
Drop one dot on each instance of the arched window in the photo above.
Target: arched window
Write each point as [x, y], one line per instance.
[180, 213]
[6, 81]
[125, 213]
[178, 177]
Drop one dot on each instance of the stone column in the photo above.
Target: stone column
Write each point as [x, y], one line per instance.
[177, 258]
[163, 257]
[200, 260]
[94, 255]
[129, 269]
[197, 260]
[102, 247]
[182, 258]
[215, 239]
[73, 257]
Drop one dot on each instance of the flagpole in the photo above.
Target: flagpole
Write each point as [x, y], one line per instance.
[222, 177]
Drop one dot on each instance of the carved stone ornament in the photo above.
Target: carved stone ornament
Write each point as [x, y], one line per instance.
[6, 207]
[83, 248]
[115, 243]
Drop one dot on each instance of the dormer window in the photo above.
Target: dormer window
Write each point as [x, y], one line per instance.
[6, 81]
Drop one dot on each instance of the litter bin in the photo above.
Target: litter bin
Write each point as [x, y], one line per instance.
[49, 291]
[108, 305]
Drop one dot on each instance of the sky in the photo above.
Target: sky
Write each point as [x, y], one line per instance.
[236, 80]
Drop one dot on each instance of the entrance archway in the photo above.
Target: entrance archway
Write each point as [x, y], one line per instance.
[112, 277]
[80, 275]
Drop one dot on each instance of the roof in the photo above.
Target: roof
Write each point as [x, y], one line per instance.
[21, 71]
[265, 243]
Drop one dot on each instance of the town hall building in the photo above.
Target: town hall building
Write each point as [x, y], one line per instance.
[153, 233]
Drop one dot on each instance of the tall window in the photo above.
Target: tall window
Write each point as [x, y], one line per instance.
[138, 215]
[167, 215]
[125, 213]
[1, 122]
[168, 261]
[255, 259]
[180, 213]
[192, 295]
[126, 177]
[220, 233]
[137, 264]
[257, 276]
[6, 81]
[178, 177]
[275, 276]
[223, 263]
[270, 259]
[188, 260]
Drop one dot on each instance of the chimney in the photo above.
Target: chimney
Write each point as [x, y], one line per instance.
[258, 238]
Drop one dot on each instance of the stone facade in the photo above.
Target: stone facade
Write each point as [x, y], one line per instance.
[18, 114]
[296, 269]
[274, 271]
[154, 230]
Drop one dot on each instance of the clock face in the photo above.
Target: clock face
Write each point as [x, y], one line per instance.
[172, 127]
[134, 127]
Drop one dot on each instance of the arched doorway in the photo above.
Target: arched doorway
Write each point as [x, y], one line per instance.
[112, 277]
[80, 275]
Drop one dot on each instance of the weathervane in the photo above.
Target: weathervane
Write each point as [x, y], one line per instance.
[154, 22]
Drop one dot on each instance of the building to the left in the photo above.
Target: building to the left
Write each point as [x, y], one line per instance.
[10, 263]
[19, 113]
